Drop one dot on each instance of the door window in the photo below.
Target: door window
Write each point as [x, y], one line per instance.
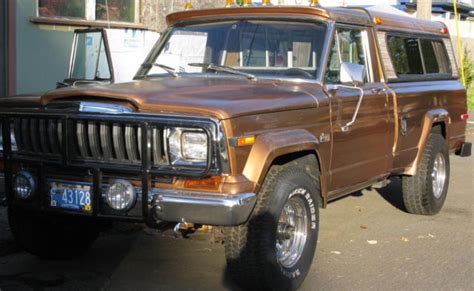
[350, 45]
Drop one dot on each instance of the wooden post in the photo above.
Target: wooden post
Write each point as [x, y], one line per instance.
[423, 9]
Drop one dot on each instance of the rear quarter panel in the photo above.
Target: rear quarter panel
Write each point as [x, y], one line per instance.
[416, 101]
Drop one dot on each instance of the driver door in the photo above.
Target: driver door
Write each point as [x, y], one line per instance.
[361, 152]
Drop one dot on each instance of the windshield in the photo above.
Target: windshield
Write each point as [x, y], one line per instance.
[260, 48]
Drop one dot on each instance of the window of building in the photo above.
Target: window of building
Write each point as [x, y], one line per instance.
[113, 10]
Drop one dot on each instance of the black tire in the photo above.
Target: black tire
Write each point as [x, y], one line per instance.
[58, 237]
[418, 191]
[251, 248]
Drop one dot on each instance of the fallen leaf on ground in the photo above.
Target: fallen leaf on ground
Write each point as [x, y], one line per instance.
[336, 252]
[363, 227]
[372, 242]
[429, 235]
[404, 239]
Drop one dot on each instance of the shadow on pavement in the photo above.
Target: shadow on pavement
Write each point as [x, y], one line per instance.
[392, 193]
[90, 272]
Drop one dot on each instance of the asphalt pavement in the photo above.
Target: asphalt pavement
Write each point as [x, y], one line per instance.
[366, 241]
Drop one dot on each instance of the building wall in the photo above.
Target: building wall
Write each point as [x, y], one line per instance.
[154, 11]
[3, 48]
[42, 53]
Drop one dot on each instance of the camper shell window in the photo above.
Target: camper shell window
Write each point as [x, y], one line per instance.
[418, 57]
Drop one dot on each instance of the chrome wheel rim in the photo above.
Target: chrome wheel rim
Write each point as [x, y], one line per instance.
[292, 230]
[438, 176]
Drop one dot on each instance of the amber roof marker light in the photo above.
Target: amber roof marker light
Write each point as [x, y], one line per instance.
[248, 3]
[378, 20]
[266, 3]
[314, 3]
[230, 3]
[188, 6]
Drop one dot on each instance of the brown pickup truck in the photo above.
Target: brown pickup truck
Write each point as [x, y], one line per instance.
[247, 118]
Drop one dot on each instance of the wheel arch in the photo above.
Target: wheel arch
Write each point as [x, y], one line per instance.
[280, 148]
[437, 120]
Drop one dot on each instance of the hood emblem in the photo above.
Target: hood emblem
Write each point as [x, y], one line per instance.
[89, 107]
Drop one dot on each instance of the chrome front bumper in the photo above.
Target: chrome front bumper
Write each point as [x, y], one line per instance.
[202, 207]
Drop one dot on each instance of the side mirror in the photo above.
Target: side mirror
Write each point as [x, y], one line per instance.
[352, 74]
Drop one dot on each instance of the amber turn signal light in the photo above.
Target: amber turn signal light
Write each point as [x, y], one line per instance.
[211, 183]
[378, 20]
[244, 141]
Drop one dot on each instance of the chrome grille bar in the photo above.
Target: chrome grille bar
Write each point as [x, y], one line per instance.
[94, 140]
[53, 137]
[130, 143]
[106, 141]
[43, 135]
[119, 142]
[82, 138]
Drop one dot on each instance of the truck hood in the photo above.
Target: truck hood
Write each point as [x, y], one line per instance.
[221, 98]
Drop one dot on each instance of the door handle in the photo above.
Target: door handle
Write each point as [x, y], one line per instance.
[378, 90]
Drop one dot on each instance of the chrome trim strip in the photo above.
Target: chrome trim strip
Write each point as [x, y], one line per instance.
[202, 207]
[95, 107]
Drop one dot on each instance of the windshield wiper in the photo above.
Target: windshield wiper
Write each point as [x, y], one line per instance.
[225, 69]
[169, 70]
[165, 68]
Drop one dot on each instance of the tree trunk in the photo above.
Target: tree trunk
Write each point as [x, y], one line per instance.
[424, 8]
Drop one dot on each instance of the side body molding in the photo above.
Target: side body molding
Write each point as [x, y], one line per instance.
[431, 117]
[270, 146]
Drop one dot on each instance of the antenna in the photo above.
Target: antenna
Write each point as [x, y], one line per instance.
[107, 12]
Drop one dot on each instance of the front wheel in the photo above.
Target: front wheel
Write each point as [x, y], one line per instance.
[275, 248]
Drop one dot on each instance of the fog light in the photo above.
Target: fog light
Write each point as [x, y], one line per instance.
[120, 195]
[24, 185]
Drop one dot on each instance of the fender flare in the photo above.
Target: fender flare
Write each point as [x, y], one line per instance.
[431, 117]
[270, 146]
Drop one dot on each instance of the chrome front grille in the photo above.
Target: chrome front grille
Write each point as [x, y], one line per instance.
[109, 141]
[41, 136]
[115, 142]
[89, 140]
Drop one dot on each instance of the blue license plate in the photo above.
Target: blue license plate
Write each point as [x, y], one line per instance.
[71, 196]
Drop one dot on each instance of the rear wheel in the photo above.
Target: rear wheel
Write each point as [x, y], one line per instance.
[60, 237]
[426, 192]
[275, 248]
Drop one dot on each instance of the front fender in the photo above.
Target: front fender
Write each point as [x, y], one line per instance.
[270, 146]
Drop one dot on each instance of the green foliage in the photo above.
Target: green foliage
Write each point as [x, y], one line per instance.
[468, 67]
[470, 98]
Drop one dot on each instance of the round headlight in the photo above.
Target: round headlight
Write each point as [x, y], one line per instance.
[24, 185]
[120, 195]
